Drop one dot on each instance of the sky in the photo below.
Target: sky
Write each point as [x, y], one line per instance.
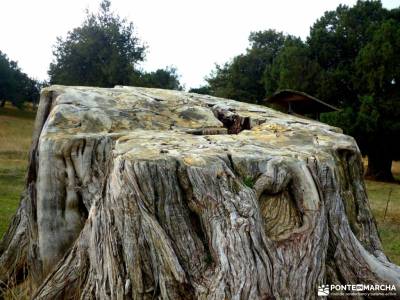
[190, 35]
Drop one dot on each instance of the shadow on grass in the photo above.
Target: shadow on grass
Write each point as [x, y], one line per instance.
[17, 113]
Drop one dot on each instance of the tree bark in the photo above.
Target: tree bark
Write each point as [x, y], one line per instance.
[144, 193]
[379, 166]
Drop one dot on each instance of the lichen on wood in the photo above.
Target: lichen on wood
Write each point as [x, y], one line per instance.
[147, 193]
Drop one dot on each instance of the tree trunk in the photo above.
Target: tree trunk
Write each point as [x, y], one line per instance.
[145, 193]
[379, 166]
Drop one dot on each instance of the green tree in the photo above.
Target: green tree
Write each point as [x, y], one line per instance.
[242, 78]
[358, 51]
[350, 59]
[204, 90]
[167, 78]
[103, 51]
[335, 41]
[292, 68]
[378, 70]
[15, 85]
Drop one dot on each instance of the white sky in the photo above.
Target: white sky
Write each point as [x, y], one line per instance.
[190, 35]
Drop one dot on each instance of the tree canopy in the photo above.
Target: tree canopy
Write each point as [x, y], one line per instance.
[167, 78]
[242, 78]
[105, 51]
[362, 76]
[15, 85]
[351, 59]
[101, 52]
[204, 90]
[283, 73]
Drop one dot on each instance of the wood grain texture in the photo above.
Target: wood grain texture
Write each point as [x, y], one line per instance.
[137, 193]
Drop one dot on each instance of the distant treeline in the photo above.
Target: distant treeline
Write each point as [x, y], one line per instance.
[351, 59]
[15, 85]
[104, 51]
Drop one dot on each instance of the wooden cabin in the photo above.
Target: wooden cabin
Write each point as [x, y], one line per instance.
[300, 104]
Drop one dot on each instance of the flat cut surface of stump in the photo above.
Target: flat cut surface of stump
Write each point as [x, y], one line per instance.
[157, 194]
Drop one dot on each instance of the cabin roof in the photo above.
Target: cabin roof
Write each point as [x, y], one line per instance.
[300, 102]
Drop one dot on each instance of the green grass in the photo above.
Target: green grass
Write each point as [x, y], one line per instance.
[15, 137]
[248, 181]
[11, 185]
[389, 225]
[16, 128]
[10, 111]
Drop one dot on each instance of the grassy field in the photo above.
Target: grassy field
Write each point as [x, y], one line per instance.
[15, 137]
[382, 195]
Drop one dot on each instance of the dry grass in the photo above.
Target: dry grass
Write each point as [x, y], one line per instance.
[382, 195]
[15, 133]
[19, 292]
[15, 138]
[385, 197]
[396, 170]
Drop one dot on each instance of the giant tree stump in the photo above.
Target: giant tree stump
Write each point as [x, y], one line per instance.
[146, 193]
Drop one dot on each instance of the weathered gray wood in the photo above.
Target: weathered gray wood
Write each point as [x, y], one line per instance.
[145, 193]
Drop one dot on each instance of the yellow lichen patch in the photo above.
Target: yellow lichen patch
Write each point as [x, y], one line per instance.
[273, 127]
[271, 137]
[194, 160]
[144, 153]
